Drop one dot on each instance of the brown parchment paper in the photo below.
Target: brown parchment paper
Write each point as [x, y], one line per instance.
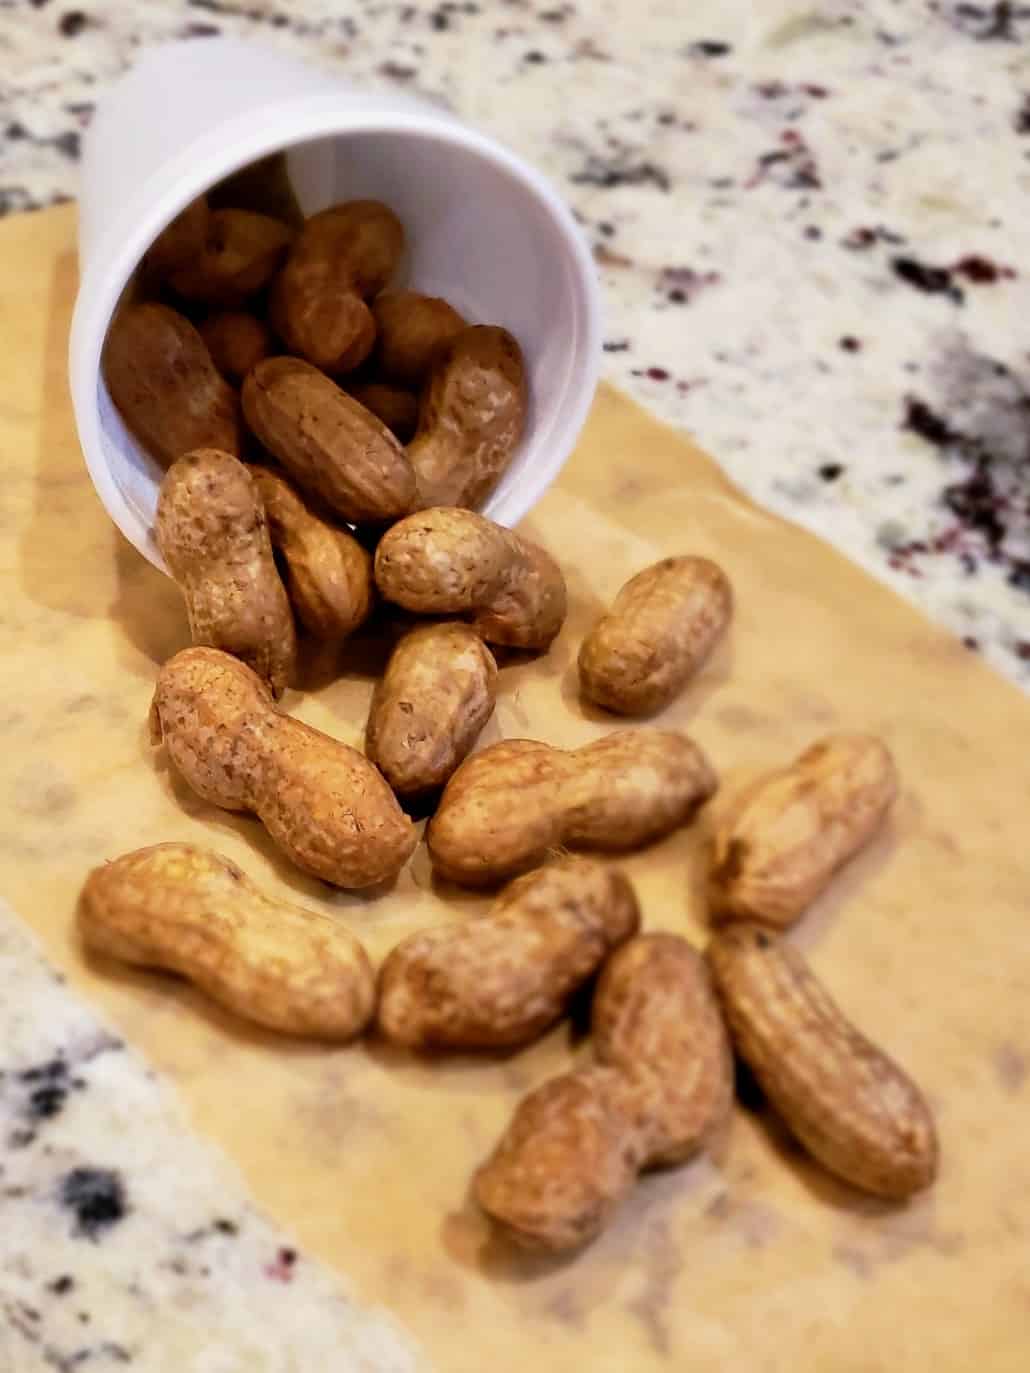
[752, 1262]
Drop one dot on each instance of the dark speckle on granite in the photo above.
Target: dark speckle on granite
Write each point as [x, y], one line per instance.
[47, 1089]
[72, 22]
[709, 47]
[618, 172]
[921, 420]
[998, 22]
[96, 1199]
[982, 271]
[932, 280]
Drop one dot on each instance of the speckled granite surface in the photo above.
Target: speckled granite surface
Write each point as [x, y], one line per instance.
[808, 217]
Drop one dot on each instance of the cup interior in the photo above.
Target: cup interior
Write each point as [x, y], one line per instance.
[483, 231]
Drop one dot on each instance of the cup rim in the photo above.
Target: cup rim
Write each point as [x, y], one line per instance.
[236, 143]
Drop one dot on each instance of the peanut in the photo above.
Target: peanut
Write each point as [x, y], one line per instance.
[454, 562]
[471, 416]
[328, 573]
[566, 1160]
[193, 912]
[504, 979]
[782, 840]
[241, 253]
[657, 1019]
[851, 1106]
[506, 806]
[662, 626]
[237, 341]
[327, 442]
[212, 532]
[342, 257]
[263, 186]
[410, 330]
[662, 1090]
[322, 802]
[161, 378]
[397, 408]
[427, 710]
[179, 241]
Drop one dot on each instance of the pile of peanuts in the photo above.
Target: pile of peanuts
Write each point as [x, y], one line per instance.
[326, 442]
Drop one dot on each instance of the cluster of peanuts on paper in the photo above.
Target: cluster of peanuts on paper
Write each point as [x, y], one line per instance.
[326, 442]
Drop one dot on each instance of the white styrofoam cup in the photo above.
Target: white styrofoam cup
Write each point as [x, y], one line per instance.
[485, 230]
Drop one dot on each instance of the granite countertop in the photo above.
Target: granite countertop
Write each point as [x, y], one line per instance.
[807, 219]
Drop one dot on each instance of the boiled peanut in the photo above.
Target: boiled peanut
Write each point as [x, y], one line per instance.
[212, 532]
[180, 241]
[237, 341]
[786, 835]
[328, 573]
[566, 1160]
[410, 330]
[509, 804]
[454, 562]
[471, 416]
[657, 1019]
[263, 186]
[662, 626]
[850, 1105]
[327, 442]
[663, 1089]
[322, 802]
[193, 912]
[342, 257]
[161, 378]
[427, 710]
[241, 253]
[397, 408]
[504, 979]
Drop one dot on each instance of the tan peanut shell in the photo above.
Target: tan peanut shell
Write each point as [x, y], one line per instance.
[449, 561]
[169, 392]
[782, 840]
[212, 532]
[662, 626]
[511, 803]
[427, 710]
[471, 416]
[397, 408]
[263, 186]
[662, 1089]
[342, 257]
[241, 253]
[180, 241]
[657, 1019]
[328, 443]
[328, 573]
[321, 801]
[851, 1106]
[566, 1160]
[190, 911]
[502, 980]
[237, 341]
[410, 330]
